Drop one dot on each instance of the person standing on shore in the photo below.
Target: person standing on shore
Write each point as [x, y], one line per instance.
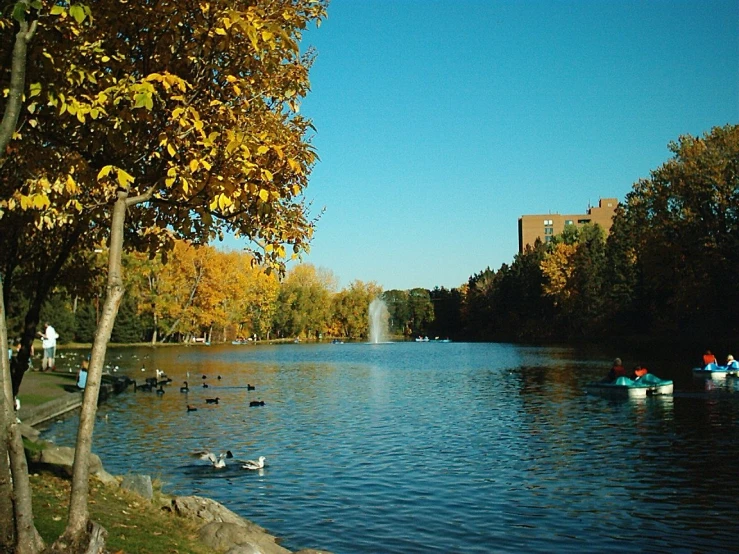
[82, 373]
[48, 341]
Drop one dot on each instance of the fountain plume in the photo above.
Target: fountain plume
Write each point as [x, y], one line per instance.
[378, 321]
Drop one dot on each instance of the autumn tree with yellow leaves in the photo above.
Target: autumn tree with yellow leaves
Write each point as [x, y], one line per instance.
[159, 121]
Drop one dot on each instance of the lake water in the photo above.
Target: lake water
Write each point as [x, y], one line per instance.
[435, 447]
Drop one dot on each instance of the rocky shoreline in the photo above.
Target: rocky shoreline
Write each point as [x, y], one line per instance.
[220, 529]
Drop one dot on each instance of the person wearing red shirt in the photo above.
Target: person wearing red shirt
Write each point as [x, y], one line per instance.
[617, 370]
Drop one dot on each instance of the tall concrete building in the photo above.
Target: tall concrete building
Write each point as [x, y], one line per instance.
[545, 226]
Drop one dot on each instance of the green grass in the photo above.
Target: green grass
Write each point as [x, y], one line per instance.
[38, 388]
[134, 524]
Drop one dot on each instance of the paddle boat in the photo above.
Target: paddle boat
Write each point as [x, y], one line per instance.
[715, 371]
[623, 387]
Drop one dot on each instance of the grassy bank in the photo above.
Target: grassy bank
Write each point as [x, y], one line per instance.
[40, 387]
[134, 524]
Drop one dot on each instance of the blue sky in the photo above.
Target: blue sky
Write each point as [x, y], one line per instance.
[440, 122]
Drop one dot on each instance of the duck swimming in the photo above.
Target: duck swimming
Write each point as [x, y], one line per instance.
[255, 403]
[185, 388]
[191, 408]
[217, 461]
[212, 400]
[254, 464]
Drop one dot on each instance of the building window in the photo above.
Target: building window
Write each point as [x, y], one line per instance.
[548, 222]
[548, 231]
[547, 238]
[568, 222]
[583, 221]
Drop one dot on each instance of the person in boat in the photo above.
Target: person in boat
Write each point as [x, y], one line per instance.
[617, 370]
[639, 372]
[709, 358]
[731, 363]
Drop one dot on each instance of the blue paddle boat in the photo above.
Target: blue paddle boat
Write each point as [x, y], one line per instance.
[623, 387]
[717, 371]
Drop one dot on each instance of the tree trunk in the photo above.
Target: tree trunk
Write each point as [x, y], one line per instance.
[17, 82]
[16, 513]
[7, 516]
[28, 539]
[79, 531]
[16, 520]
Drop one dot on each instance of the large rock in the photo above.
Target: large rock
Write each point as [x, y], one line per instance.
[224, 530]
[139, 484]
[239, 539]
[106, 478]
[207, 510]
[29, 432]
[61, 458]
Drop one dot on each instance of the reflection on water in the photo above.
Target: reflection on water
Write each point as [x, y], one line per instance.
[435, 447]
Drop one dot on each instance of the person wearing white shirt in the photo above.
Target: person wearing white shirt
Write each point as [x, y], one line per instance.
[48, 341]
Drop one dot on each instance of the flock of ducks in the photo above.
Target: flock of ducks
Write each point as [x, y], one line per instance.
[218, 461]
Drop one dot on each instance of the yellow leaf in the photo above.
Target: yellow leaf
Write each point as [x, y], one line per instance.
[105, 171]
[264, 195]
[171, 150]
[231, 146]
[193, 165]
[124, 179]
[40, 201]
[221, 31]
[223, 201]
[205, 164]
[251, 32]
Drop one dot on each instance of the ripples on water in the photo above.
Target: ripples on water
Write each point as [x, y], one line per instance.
[434, 447]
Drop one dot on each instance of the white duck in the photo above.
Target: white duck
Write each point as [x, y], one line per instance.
[217, 461]
[254, 464]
